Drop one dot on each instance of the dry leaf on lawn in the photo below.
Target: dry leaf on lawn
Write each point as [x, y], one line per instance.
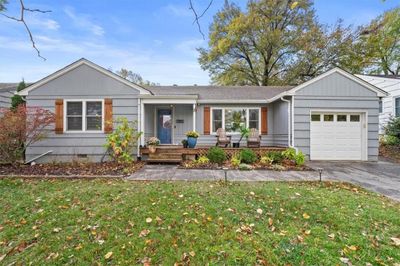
[108, 255]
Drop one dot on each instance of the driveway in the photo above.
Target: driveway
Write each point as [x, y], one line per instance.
[381, 177]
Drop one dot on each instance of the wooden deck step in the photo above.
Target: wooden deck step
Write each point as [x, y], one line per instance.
[165, 157]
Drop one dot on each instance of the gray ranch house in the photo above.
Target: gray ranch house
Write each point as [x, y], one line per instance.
[334, 116]
[7, 90]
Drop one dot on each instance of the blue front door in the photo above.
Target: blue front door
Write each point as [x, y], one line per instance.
[164, 125]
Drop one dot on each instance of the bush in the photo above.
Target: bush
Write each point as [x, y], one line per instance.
[202, 160]
[265, 160]
[393, 127]
[289, 154]
[216, 155]
[20, 127]
[123, 140]
[248, 156]
[299, 158]
[390, 140]
[276, 156]
[235, 161]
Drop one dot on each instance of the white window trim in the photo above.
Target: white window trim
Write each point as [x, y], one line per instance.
[83, 101]
[234, 107]
[394, 105]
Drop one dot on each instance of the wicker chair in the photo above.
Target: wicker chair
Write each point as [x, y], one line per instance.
[254, 139]
[222, 139]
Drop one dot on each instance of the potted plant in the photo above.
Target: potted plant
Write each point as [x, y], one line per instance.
[192, 138]
[244, 132]
[184, 143]
[152, 143]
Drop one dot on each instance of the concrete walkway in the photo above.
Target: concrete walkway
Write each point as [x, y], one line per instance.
[381, 177]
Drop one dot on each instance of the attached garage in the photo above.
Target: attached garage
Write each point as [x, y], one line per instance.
[338, 135]
[334, 116]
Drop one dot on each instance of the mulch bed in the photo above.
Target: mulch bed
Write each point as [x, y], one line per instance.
[390, 152]
[71, 169]
[210, 166]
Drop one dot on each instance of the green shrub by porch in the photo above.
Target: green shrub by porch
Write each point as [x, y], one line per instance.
[216, 155]
[248, 156]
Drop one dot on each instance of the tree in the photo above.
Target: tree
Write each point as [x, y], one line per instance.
[381, 43]
[134, 77]
[20, 128]
[272, 43]
[16, 100]
[21, 19]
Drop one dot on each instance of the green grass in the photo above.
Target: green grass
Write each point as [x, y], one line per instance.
[79, 221]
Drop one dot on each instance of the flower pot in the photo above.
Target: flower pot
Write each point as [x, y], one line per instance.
[152, 148]
[192, 142]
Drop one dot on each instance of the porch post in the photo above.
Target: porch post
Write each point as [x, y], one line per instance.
[142, 122]
[194, 117]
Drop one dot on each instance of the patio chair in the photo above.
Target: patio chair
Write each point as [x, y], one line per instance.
[254, 139]
[222, 139]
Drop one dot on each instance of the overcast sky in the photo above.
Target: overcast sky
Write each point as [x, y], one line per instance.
[154, 38]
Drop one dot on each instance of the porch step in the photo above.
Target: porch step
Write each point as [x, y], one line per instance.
[165, 157]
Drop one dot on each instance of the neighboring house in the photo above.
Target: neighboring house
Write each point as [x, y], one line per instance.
[389, 106]
[7, 90]
[331, 117]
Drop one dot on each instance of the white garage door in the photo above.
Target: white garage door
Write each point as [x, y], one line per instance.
[336, 136]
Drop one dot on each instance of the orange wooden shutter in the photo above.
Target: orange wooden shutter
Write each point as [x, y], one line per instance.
[206, 120]
[108, 121]
[264, 120]
[59, 128]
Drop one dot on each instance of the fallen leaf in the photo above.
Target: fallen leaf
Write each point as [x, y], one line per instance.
[306, 216]
[270, 221]
[331, 236]
[252, 193]
[144, 233]
[396, 241]
[56, 230]
[192, 253]
[353, 248]
[307, 232]
[149, 220]
[108, 255]
[259, 211]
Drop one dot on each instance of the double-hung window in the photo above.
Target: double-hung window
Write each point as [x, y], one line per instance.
[84, 116]
[397, 106]
[232, 119]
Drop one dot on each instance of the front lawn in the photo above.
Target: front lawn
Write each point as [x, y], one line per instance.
[120, 222]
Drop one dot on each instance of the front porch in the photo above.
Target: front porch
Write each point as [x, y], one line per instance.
[177, 154]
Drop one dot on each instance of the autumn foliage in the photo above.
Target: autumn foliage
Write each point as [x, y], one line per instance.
[20, 128]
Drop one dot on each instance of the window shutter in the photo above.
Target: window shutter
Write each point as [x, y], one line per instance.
[264, 120]
[206, 119]
[108, 121]
[59, 127]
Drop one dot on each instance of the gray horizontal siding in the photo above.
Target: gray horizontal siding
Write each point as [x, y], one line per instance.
[303, 108]
[336, 85]
[5, 99]
[67, 146]
[80, 83]
[335, 92]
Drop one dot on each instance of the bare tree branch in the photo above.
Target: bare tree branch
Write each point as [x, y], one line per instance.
[21, 19]
[197, 17]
